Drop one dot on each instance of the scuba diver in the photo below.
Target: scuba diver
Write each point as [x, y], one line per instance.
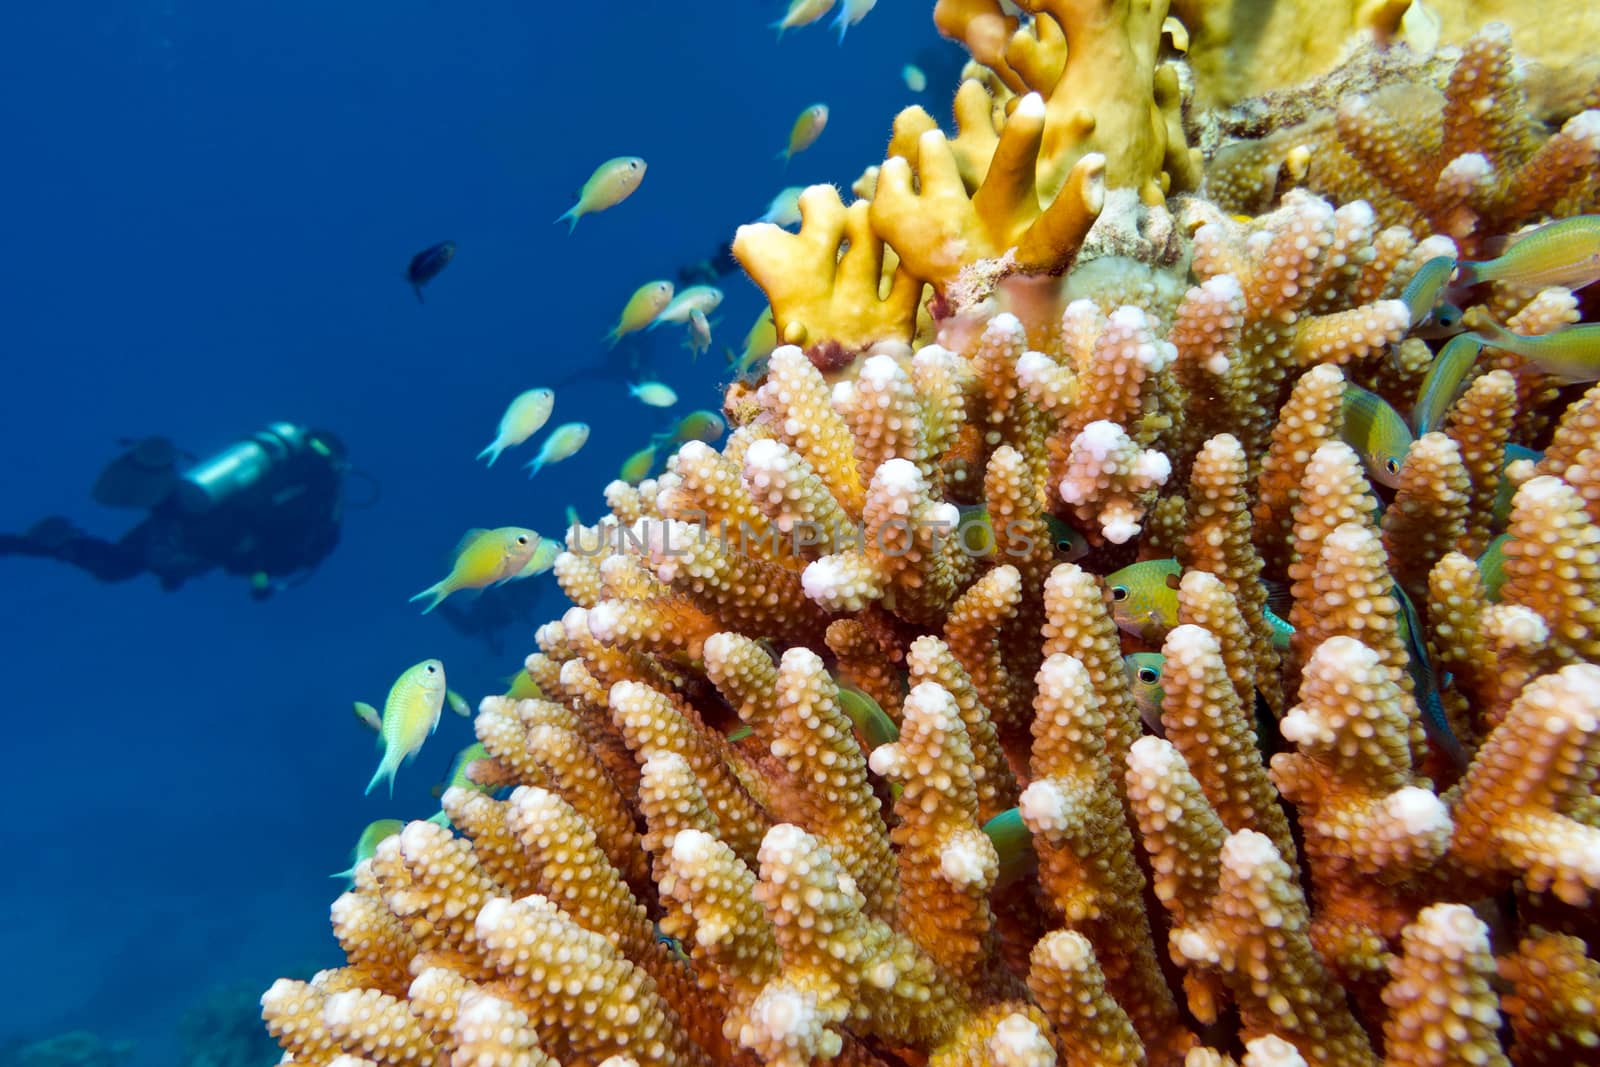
[266, 508]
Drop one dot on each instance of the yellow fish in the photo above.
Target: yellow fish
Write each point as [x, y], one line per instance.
[699, 339]
[704, 298]
[1564, 253]
[655, 394]
[784, 210]
[563, 443]
[803, 134]
[1571, 353]
[636, 468]
[543, 558]
[801, 13]
[456, 777]
[523, 687]
[1444, 380]
[1144, 682]
[1144, 598]
[912, 75]
[483, 558]
[647, 301]
[611, 183]
[851, 13]
[524, 417]
[410, 714]
[1377, 432]
[759, 343]
[367, 843]
[699, 425]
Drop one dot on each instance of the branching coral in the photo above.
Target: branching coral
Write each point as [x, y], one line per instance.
[948, 835]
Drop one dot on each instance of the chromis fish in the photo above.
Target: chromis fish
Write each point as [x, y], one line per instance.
[523, 687]
[563, 443]
[524, 417]
[611, 183]
[808, 126]
[483, 558]
[543, 558]
[912, 75]
[1424, 684]
[1571, 353]
[699, 339]
[976, 537]
[647, 302]
[1144, 598]
[850, 13]
[801, 13]
[706, 298]
[1013, 843]
[1444, 381]
[636, 468]
[699, 425]
[1492, 567]
[1506, 489]
[457, 777]
[1422, 292]
[368, 842]
[654, 394]
[426, 265]
[759, 343]
[1564, 253]
[784, 210]
[410, 714]
[1377, 432]
[1144, 682]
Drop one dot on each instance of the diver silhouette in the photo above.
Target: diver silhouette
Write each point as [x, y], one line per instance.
[267, 508]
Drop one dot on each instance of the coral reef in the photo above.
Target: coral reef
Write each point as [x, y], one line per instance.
[836, 757]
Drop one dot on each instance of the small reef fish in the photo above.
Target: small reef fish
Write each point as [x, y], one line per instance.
[1564, 253]
[611, 183]
[850, 13]
[426, 265]
[410, 714]
[1424, 683]
[636, 468]
[1377, 432]
[699, 339]
[759, 343]
[706, 298]
[808, 126]
[699, 425]
[1571, 353]
[521, 686]
[1013, 843]
[368, 843]
[1446, 377]
[655, 394]
[483, 558]
[869, 719]
[912, 75]
[1144, 598]
[784, 210]
[543, 558]
[563, 443]
[1505, 489]
[975, 529]
[801, 13]
[1144, 682]
[1422, 292]
[524, 417]
[1492, 567]
[457, 778]
[647, 302]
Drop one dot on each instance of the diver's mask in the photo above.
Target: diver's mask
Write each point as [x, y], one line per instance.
[216, 479]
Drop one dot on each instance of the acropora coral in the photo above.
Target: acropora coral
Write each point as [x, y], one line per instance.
[946, 836]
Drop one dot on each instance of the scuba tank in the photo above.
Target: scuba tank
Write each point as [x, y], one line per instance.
[239, 467]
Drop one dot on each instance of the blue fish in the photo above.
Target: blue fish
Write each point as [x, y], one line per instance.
[426, 265]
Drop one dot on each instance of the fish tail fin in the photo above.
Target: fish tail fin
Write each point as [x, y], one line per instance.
[348, 873]
[493, 452]
[535, 465]
[386, 769]
[779, 26]
[1468, 274]
[437, 591]
[842, 21]
[416, 287]
[611, 338]
[570, 217]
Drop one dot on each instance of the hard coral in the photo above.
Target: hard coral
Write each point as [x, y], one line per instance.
[953, 834]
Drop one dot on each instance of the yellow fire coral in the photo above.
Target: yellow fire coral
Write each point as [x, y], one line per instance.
[960, 828]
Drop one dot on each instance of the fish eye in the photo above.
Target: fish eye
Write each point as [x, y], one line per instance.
[1447, 316]
[1391, 465]
[1064, 545]
[633, 164]
[1148, 675]
[1119, 593]
[432, 669]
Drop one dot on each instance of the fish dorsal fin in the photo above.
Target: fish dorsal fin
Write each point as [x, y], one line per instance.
[466, 541]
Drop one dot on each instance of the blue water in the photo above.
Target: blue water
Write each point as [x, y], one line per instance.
[209, 208]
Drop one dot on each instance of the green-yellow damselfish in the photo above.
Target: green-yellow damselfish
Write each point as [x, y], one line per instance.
[410, 714]
[1377, 432]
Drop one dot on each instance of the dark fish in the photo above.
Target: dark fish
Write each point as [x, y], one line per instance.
[426, 265]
